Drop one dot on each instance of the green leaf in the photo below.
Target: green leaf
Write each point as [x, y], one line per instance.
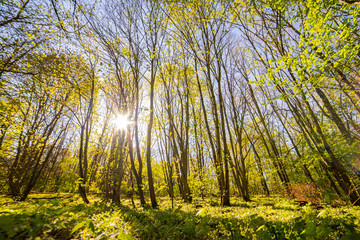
[78, 226]
[201, 213]
[91, 226]
[124, 236]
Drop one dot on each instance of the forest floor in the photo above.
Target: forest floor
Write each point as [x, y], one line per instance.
[65, 216]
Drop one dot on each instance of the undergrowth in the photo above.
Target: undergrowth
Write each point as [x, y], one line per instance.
[65, 216]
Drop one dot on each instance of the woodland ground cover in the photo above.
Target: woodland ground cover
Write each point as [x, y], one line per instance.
[65, 216]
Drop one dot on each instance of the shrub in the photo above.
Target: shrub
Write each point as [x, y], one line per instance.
[306, 192]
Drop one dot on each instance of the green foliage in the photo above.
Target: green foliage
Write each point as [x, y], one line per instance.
[64, 216]
[58, 102]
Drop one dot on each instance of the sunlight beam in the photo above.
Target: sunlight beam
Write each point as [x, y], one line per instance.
[121, 122]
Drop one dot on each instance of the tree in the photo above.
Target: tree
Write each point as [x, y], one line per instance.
[39, 124]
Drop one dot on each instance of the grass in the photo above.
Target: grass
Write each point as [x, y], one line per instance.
[65, 216]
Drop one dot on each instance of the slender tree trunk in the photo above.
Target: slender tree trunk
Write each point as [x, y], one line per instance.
[136, 173]
[82, 176]
[148, 142]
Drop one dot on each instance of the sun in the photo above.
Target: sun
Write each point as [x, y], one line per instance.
[121, 122]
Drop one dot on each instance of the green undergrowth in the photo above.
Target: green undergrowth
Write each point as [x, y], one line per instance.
[65, 216]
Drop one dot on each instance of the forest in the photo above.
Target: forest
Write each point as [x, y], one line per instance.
[189, 119]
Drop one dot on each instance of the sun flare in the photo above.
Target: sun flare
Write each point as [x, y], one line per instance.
[121, 122]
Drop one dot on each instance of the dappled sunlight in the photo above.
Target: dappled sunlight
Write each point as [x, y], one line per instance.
[65, 216]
